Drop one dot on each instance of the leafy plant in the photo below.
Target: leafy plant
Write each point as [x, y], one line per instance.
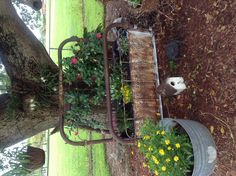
[86, 69]
[167, 152]
[135, 3]
[13, 161]
[126, 93]
[4, 81]
[124, 44]
[125, 126]
[172, 65]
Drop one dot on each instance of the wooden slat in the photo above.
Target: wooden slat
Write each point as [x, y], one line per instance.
[146, 103]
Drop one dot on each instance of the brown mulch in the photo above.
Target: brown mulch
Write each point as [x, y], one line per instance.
[207, 62]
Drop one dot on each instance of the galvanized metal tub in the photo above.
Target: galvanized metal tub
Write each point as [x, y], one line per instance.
[204, 148]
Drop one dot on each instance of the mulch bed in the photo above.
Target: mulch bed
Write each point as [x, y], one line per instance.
[207, 62]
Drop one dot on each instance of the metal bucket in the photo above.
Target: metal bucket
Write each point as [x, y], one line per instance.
[204, 148]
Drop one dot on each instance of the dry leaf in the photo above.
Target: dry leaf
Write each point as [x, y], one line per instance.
[215, 4]
[208, 18]
[212, 129]
[220, 28]
[222, 130]
[212, 93]
[189, 106]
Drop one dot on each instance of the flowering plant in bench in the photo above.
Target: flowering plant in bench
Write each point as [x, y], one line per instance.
[84, 73]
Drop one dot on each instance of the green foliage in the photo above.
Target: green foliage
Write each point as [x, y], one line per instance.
[90, 61]
[123, 123]
[13, 160]
[119, 90]
[135, 3]
[167, 152]
[172, 65]
[4, 81]
[124, 44]
[87, 68]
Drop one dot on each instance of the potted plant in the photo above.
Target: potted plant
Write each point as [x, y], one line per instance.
[21, 160]
[177, 147]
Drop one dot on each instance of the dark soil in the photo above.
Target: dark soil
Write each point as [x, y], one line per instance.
[207, 62]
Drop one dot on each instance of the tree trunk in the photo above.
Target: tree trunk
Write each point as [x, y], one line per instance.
[24, 58]
[26, 124]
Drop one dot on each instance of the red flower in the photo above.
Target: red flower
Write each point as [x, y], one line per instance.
[99, 35]
[76, 133]
[74, 61]
[79, 77]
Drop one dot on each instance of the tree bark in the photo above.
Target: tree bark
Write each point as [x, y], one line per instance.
[24, 57]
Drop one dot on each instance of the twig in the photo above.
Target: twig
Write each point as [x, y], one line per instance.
[165, 15]
[223, 122]
[167, 108]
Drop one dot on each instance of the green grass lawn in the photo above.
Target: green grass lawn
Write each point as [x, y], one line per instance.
[67, 20]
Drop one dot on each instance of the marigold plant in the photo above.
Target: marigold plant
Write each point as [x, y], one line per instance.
[167, 151]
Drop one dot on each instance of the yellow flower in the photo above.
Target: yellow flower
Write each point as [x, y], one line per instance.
[167, 142]
[177, 145]
[144, 165]
[146, 137]
[162, 152]
[132, 152]
[176, 158]
[156, 173]
[139, 144]
[168, 160]
[163, 168]
[155, 160]
[158, 132]
[169, 148]
[150, 148]
[162, 132]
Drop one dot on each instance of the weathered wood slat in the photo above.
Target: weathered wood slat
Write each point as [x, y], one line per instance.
[145, 100]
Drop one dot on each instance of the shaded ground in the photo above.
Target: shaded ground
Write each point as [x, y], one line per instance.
[207, 30]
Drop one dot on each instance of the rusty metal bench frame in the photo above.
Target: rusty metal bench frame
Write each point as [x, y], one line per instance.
[112, 131]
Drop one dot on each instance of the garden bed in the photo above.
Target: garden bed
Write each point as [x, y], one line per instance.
[207, 64]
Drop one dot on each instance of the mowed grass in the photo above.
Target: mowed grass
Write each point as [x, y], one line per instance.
[67, 160]
[66, 20]
[99, 160]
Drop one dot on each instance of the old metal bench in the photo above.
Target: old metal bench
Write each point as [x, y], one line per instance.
[143, 79]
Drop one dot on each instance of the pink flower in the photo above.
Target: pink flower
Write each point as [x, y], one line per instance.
[99, 35]
[74, 61]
